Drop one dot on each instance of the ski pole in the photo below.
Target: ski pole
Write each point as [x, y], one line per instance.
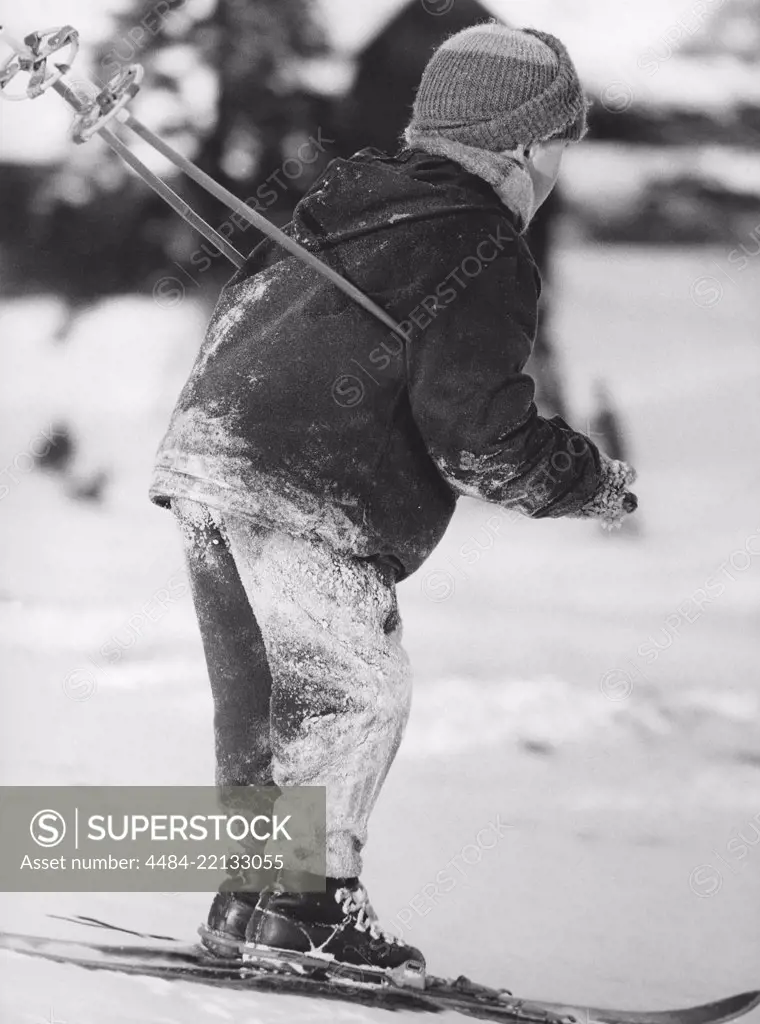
[176, 202]
[61, 84]
[93, 116]
[258, 221]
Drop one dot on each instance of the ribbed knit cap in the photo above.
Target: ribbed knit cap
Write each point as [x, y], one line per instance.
[498, 88]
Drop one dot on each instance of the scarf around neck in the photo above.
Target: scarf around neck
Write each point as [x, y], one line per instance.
[505, 173]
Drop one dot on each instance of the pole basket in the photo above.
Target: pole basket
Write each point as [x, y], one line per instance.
[33, 60]
[120, 89]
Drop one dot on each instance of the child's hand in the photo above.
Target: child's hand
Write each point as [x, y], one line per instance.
[612, 501]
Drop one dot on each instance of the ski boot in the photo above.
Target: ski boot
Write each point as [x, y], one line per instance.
[224, 933]
[335, 933]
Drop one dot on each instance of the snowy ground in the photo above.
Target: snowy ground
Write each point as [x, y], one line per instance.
[600, 694]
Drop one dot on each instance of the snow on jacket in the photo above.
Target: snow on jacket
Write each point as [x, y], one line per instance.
[305, 413]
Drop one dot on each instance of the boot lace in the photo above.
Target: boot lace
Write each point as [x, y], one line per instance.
[356, 905]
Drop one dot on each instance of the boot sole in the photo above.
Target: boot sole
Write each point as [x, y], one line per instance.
[410, 974]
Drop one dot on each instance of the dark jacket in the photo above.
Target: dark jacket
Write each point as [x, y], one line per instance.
[305, 413]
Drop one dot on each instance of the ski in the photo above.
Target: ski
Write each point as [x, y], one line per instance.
[172, 960]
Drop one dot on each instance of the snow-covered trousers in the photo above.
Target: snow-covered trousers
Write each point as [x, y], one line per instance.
[310, 682]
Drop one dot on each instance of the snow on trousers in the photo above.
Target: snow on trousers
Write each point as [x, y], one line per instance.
[310, 682]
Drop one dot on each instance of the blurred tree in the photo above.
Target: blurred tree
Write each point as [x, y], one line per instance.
[250, 51]
[222, 84]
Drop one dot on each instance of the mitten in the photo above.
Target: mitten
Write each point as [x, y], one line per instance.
[612, 500]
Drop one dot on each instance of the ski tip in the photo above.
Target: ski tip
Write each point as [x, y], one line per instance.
[724, 1010]
[718, 1012]
[744, 1003]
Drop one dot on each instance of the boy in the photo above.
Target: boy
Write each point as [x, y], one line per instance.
[314, 459]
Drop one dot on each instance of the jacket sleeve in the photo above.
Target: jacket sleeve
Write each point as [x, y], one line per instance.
[471, 399]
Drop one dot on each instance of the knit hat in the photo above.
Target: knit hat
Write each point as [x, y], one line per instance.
[497, 88]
